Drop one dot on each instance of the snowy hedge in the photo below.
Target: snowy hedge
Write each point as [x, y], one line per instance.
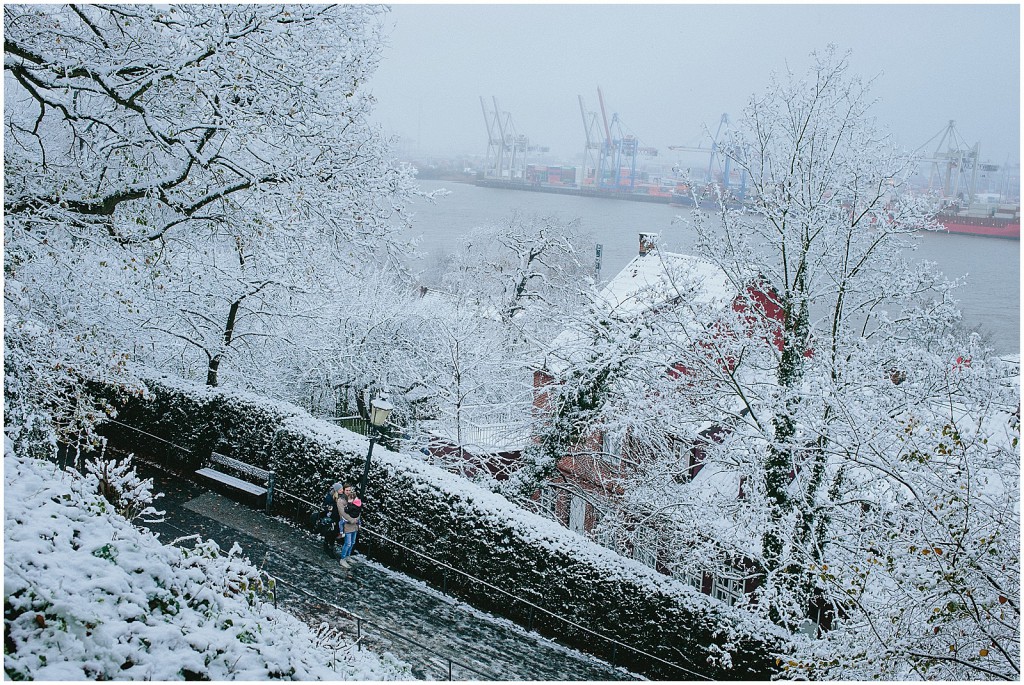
[430, 511]
[88, 596]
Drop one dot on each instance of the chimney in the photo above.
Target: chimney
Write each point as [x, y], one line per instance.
[647, 241]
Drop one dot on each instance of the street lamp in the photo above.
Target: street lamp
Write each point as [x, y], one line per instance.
[380, 410]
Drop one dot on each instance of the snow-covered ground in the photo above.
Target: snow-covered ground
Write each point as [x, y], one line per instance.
[90, 596]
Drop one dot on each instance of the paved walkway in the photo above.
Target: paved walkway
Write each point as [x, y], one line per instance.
[454, 638]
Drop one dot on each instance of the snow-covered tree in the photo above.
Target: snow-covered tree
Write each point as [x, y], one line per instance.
[172, 173]
[527, 269]
[867, 359]
[135, 123]
[846, 426]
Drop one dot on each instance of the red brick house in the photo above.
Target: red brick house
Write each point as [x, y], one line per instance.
[587, 480]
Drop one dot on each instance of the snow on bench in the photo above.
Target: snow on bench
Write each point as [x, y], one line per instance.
[233, 482]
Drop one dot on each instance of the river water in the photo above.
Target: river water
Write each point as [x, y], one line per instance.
[990, 299]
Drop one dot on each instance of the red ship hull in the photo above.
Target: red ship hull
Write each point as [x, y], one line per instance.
[993, 227]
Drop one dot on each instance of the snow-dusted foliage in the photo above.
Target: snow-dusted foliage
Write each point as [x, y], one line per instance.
[814, 446]
[875, 432]
[523, 270]
[120, 485]
[424, 509]
[175, 175]
[87, 596]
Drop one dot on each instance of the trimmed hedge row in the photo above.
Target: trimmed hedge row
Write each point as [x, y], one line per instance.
[468, 528]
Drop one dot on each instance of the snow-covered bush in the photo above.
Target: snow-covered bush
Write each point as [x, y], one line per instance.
[120, 485]
[87, 596]
[414, 507]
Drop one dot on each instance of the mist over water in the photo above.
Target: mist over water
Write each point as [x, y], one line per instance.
[990, 299]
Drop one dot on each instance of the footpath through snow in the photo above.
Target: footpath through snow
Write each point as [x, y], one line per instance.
[88, 596]
[456, 639]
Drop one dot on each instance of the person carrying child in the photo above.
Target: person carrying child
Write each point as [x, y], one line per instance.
[350, 512]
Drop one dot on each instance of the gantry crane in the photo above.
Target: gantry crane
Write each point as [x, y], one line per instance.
[506, 149]
[716, 159]
[614, 147]
[953, 163]
[593, 142]
[712, 152]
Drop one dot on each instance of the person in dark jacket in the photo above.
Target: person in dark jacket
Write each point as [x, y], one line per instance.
[334, 502]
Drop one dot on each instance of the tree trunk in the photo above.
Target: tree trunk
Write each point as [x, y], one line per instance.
[782, 454]
[229, 332]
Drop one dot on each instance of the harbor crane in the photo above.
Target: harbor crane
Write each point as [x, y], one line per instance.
[506, 149]
[716, 160]
[593, 144]
[615, 149]
[712, 152]
[952, 163]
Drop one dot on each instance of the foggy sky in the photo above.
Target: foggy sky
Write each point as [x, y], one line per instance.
[670, 70]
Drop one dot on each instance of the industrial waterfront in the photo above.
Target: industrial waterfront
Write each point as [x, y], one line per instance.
[990, 297]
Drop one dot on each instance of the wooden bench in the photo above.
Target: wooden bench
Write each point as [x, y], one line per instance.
[262, 475]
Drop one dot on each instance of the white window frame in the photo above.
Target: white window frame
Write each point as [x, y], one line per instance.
[611, 449]
[578, 514]
[682, 454]
[604, 536]
[693, 579]
[727, 589]
[646, 552]
[547, 500]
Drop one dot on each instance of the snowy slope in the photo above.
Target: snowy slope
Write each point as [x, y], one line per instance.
[90, 596]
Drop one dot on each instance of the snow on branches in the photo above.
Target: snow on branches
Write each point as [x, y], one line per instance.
[175, 175]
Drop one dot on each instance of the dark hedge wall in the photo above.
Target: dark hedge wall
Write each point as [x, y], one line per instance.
[409, 503]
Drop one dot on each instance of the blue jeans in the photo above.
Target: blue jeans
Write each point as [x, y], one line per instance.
[350, 542]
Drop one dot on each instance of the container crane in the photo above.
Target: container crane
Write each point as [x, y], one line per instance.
[593, 143]
[952, 163]
[717, 160]
[614, 148]
[712, 152]
[506, 149]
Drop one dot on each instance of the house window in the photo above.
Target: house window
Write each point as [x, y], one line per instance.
[645, 547]
[693, 578]
[605, 534]
[547, 501]
[728, 590]
[577, 514]
[646, 552]
[611, 449]
[681, 457]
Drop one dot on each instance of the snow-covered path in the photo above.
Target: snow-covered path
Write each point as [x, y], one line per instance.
[452, 632]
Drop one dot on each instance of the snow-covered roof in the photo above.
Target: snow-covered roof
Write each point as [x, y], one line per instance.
[659, 277]
[650, 281]
[442, 300]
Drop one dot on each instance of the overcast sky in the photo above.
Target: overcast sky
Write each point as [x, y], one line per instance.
[669, 70]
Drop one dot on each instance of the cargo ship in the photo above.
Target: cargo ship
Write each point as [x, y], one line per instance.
[988, 219]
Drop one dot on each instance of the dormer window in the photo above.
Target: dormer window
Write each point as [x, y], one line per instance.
[611, 448]
[681, 452]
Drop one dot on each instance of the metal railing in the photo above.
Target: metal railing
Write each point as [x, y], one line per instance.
[356, 424]
[304, 508]
[486, 427]
[360, 621]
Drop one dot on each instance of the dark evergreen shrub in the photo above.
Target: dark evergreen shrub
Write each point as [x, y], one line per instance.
[411, 507]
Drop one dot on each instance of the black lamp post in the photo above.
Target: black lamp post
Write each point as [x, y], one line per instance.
[380, 410]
